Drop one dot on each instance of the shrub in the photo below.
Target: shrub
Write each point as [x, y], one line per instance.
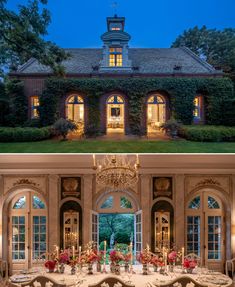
[24, 134]
[62, 127]
[208, 133]
[171, 127]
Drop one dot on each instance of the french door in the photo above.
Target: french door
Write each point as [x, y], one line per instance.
[95, 228]
[71, 229]
[206, 230]
[162, 229]
[27, 231]
[138, 232]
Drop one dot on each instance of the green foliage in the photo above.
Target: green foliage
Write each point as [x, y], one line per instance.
[215, 46]
[62, 127]
[3, 104]
[181, 93]
[122, 225]
[208, 133]
[171, 126]
[22, 37]
[18, 105]
[24, 134]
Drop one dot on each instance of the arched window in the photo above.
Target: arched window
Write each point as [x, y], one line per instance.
[34, 102]
[115, 113]
[75, 109]
[198, 109]
[205, 228]
[27, 229]
[156, 112]
[116, 202]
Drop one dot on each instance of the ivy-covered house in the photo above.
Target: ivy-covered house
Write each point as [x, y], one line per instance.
[126, 90]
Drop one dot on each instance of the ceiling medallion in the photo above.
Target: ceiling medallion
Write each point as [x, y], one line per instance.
[116, 172]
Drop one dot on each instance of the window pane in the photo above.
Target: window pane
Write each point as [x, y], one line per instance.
[39, 236]
[20, 203]
[195, 203]
[108, 203]
[212, 203]
[193, 234]
[38, 203]
[125, 203]
[214, 237]
[18, 237]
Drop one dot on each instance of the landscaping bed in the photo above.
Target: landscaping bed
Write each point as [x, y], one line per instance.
[208, 133]
[11, 135]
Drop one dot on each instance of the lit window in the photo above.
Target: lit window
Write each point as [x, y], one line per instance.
[34, 107]
[75, 109]
[115, 26]
[115, 57]
[197, 113]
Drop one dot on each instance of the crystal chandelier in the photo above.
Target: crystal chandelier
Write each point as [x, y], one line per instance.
[116, 172]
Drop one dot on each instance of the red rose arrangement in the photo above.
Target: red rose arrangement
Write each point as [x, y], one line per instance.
[63, 257]
[190, 263]
[116, 256]
[50, 264]
[127, 257]
[161, 262]
[90, 254]
[155, 261]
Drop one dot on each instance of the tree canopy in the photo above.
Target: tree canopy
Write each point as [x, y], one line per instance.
[22, 37]
[217, 47]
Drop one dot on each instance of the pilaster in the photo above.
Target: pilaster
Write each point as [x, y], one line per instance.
[53, 212]
[87, 207]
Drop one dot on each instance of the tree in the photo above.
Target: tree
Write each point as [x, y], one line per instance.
[22, 37]
[215, 46]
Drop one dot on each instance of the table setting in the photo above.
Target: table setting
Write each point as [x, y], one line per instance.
[147, 269]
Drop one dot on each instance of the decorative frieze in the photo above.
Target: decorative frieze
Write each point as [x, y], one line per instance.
[38, 182]
[203, 181]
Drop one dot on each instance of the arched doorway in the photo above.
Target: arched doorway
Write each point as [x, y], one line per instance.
[162, 225]
[205, 229]
[156, 112]
[75, 110]
[115, 114]
[120, 209]
[70, 225]
[27, 230]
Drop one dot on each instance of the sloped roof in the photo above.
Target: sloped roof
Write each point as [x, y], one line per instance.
[144, 61]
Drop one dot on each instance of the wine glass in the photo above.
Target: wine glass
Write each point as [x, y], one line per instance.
[129, 275]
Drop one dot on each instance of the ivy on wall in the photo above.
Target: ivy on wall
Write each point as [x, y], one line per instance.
[218, 94]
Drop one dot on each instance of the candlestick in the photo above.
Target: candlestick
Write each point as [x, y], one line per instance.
[57, 251]
[182, 255]
[73, 249]
[104, 266]
[94, 163]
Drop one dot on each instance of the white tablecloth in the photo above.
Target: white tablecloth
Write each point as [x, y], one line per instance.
[138, 279]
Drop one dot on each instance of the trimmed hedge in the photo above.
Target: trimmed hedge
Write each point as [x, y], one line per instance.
[24, 134]
[208, 133]
[218, 93]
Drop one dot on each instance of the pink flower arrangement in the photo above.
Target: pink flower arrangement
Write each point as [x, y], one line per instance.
[190, 263]
[116, 256]
[127, 257]
[50, 264]
[63, 257]
[144, 257]
[172, 257]
[155, 261]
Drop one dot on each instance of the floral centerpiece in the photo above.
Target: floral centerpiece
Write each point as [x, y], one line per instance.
[89, 256]
[100, 259]
[189, 264]
[127, 260]
[172, 256]
[115, 257]
[155, 262]
[144, 258]
[50, 265]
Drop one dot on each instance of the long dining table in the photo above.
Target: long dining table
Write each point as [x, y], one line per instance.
[81, 278]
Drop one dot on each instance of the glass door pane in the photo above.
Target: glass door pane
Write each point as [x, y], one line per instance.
[138, 231]
[39, 237]
[18, 238]
[193, 235]
[95, 228]
[71, 229]
[214, 237]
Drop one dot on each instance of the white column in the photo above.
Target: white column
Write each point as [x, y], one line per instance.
[53, 212]
[87, 207]
[179, 214]
[145, 198]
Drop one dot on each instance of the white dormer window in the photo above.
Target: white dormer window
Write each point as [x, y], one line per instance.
[115, 57]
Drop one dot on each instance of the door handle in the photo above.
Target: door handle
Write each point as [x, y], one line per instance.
[204, 246]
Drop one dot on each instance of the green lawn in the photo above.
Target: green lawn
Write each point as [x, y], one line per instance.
[131, 146]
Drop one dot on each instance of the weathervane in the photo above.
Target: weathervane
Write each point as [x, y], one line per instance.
[114, 6]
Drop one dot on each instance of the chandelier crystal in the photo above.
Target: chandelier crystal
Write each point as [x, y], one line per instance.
[116, 172]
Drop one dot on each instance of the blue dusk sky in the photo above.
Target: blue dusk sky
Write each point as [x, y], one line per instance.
[151, 23]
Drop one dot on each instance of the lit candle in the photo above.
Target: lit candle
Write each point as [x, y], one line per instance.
[137, 159]
[57, 251]
[73, 248]
[94, 163]
[105, 246]
[165, 256]
[182, 255]
[147, 248]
